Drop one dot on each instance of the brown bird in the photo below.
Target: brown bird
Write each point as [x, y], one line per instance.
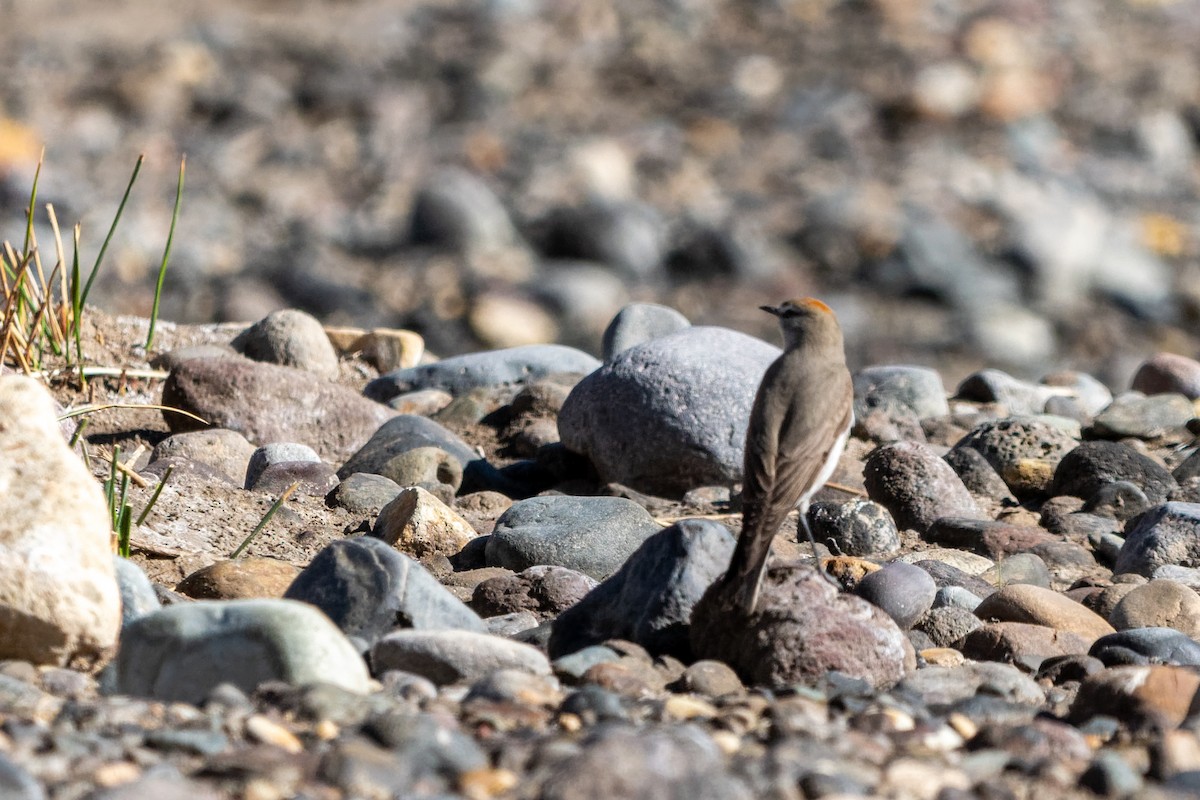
[798, 427]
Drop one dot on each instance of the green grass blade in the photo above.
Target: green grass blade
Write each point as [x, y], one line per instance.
[87, 288]
[262, 523]
[37, 174]
[162, 269]
[157, 491]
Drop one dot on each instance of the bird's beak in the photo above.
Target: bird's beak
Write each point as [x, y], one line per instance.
[770, 310]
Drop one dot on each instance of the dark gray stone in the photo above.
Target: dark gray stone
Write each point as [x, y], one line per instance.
[1004, 442]
[628, 237]
[454, 656]
[1121, 500]
[493, 368]
[637, 323]
[1146, 646]
[182, 651]
[368, 589]
[1166, 534]
[904, 591]
[456, 210]
[593, 535]
[857, 528]
[977, 474]
[895, 389]
[670, 414]
[1144, 417]
[916, 486]
[650, 599]
[277, 453]
[1091, 465]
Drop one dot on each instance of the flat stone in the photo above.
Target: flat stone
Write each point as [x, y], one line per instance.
[986, 537]
[671, 413]
[493, 368]
[1144, 417]
[269, 403]
[454, 656]
[1147, 646]
[945, 686]
[239, 578]
[59, 599]
[1021, 643]
[649, 600]
[1038, 606]
[593, 535]
[181, 652]
[1019, 398]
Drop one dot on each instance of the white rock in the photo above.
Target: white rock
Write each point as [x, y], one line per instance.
[59, 600]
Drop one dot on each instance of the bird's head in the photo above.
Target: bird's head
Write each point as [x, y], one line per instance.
[806, 320]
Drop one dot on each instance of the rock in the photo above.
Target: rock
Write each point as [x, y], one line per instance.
[59, 599]
[226, 451]
[420, 525]
[628, 237]
[310, 478]
[947, 625]
[637, 323]
[955, 566]
[490, 369]
[422, 402]
[1168, 373]
[594, 535]
[1091, 465]
[1144, 417]
[363, 493]
[1159, 604]
[268, 403]
[1090, 395]
[905, 592]
[1038, 606]
[1147, 646]
[137, 593]
[454, 656]
[650, 599]
[1007, 443]
[1159, 696]
[290, 338]
[979, 476]
[1120, 500]
[545, 590]
[896, 389]
[575, 665]
[239, 578]
[1020, 643]
[670, 414]
[277, 453]
[1018, 397]
[916, 486]
[986, 537]
[801, 629]
[456, 210]
[945, 686]
[409, 432]
[367, 588]
[423, 465]
[1166, 534]
[16, 783]
[1111, 775]
[858, 528]
[710, 678]
[385, 349]
[507, 625]
[181, 652]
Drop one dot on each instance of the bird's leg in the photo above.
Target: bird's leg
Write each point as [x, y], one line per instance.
[813, 543]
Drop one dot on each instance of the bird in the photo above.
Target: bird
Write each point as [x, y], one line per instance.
[799, 423]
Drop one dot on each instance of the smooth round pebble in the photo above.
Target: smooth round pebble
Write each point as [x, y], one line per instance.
[905, 592]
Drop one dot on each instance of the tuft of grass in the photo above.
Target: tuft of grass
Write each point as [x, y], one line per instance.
[41, 315]
[116, 492]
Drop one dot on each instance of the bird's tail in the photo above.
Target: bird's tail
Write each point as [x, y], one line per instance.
[743, 580]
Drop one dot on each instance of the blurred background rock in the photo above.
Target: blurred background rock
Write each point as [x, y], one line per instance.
[1010, 183]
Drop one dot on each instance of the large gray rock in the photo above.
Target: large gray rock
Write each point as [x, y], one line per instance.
[669, 414]
[182, 651]
[900, 387]
[59, 600]
[593, 535]
[801, 628]
[1090, 466]
[1166, 534]
[460, 374]
[270, 403]
[650, 599]
[137, 593]
[369, 589]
